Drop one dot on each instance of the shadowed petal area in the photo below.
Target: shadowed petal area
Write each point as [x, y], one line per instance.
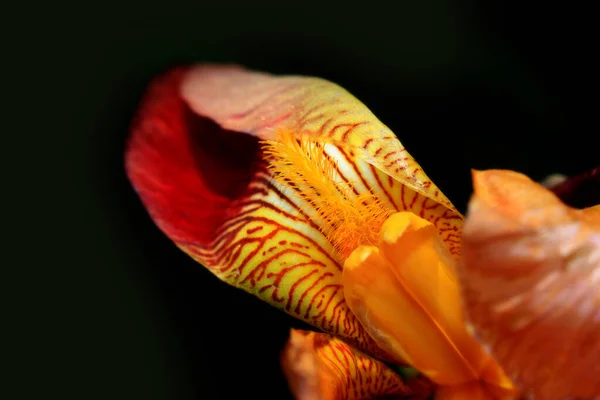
[406, 295]
[186, 168]
[531, 280]
[581, 190]
[319, 367]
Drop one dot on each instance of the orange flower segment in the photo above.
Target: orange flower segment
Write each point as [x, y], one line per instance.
[406, 295]
[320, 367]
[531, 278]
[291, 189]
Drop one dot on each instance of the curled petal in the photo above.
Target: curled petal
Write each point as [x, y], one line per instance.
[319, 367]
[371, 156]
[210, 191]
[258, 103]
[531, 279]
[407, 297]
[195, 160]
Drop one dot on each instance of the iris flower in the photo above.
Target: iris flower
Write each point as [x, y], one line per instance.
[292, 190]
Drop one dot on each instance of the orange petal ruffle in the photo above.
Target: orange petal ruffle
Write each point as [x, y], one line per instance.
[531, 278]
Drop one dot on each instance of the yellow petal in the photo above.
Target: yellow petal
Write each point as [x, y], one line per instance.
[319, 367]
[406, 295]
[531, 278]
[195, 160]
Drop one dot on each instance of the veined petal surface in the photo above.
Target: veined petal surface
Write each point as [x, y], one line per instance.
[195, 159]
[370, 155]
[320, 367]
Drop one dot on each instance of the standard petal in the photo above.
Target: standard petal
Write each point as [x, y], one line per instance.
[406, 295]
[531, 279]
[319, 367]
[369, 155]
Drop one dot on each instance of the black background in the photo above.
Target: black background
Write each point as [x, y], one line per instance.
[109, 307]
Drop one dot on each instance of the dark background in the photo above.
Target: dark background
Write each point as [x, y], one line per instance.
[110, 308]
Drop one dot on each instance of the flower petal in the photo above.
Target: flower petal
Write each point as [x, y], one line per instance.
[406, 295]
[531, 279]
[592, 216]
[319, 367]
[209, 190]
[370, 155]
[207, 186]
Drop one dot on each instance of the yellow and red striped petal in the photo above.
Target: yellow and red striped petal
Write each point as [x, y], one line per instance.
[195, 159]
[369, 153]
[531, 279]
[406, 295]
[320, 367]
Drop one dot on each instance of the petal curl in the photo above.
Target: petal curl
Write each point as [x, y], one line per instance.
[371, 156]
[406, 295]
[531, 279]
[208, 189]
[319, 367]
[194, 158]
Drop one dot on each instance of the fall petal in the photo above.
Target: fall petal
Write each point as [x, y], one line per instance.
[209, 190]
[195, 158]
[405, 294]
[531, 279]
[319, 367]
[369, 154]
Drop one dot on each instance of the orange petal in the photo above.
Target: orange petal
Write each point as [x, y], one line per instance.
[319, 367]
[592, 216]
[209, 190]
[207, 185]
[531, 279]
[405, 294]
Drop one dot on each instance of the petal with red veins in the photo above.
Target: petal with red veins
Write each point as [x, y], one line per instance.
[370, 155]
[195, 160]
[319, 367]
